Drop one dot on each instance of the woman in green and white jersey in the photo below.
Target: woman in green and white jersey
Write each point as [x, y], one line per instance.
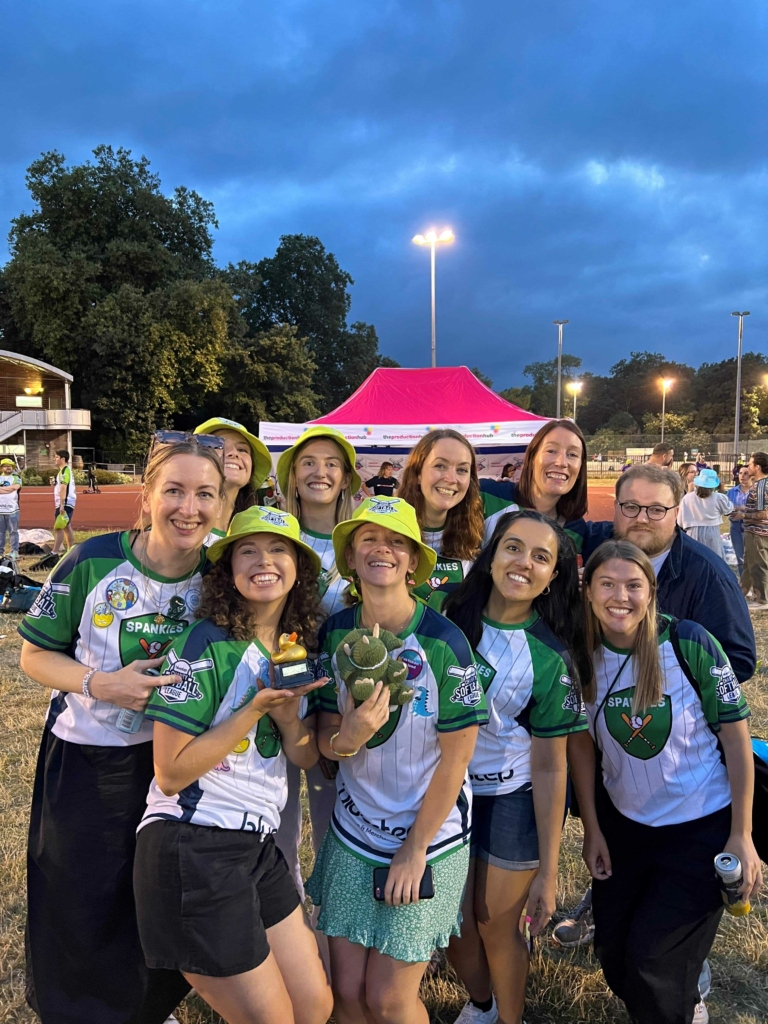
[214, 896]
[456, 519]
[247, 464]
[519, 608]
[662, 694]
[403, 799]
[318, 479]
[105, 616]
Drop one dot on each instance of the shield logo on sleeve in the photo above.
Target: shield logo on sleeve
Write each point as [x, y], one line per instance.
[643, 735]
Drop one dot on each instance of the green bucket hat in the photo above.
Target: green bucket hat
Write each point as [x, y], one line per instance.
[7, 462]
[262, 460]
[395, 514]
[258, 519]
[312, 434]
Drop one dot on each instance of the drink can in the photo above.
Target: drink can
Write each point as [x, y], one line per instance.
[728, 868]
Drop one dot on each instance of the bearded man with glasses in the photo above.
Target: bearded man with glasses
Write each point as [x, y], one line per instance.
[693, 583]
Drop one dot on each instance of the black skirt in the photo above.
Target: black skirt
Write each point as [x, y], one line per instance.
[84, 960]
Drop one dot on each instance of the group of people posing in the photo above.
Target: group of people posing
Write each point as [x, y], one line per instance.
[166, 814]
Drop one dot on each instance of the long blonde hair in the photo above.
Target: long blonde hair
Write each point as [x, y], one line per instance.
[161, 455]
[645, 650]
[344, 506]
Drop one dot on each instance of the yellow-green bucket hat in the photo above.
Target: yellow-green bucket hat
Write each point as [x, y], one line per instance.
[312, 434]
[7, 462]
[262, 460]
[259, 519]
[394, 514]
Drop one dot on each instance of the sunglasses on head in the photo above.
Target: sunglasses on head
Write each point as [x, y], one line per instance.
[180, 436]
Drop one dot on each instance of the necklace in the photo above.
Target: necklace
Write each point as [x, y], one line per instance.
[149, 597]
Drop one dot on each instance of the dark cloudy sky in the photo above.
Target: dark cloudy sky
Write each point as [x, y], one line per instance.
[602, 161]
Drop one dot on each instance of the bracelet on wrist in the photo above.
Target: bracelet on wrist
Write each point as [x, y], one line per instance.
[338, 753]
[86, 683]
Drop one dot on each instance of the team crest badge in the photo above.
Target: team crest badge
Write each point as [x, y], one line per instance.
[485, 672]
[643, 736]
[44, 603]
[145, 636]
[383, 506]
[728, 689]
[187, 689]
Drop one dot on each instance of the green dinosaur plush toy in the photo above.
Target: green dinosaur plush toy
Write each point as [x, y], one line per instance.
[363, 659]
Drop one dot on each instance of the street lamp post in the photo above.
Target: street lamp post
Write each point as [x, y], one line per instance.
[432, 239]
[737, 424]
[665, 386]
[559, 324]
[575, 387]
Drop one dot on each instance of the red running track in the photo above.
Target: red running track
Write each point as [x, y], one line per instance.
[117, 507]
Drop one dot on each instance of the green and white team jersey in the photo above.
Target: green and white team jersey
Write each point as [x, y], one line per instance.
[9, 500]
[662, 766]
[213, 536]
[380, 789]
[332, 586]
[526, 675]
[247, 790]
[450, 573]
[66, 477]
[102, 609]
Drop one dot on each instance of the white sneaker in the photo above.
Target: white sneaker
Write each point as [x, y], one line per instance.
[700, 1014]
[705, 980]
[471, 1015]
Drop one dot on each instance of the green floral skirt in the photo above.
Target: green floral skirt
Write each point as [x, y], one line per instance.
[342, 885]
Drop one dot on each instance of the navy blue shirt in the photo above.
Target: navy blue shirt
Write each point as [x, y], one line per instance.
[694, 583]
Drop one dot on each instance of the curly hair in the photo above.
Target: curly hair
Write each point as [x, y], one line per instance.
[464, 523]
[225, 606]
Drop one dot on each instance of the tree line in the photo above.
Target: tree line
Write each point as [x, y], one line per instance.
[114, 281]
[628, 399]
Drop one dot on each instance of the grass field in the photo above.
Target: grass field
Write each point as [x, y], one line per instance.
[566, 987]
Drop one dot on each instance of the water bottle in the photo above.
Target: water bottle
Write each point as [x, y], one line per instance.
[131, 721]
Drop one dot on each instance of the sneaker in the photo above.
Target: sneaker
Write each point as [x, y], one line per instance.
[578, 929]
[700, 1014]
[471, 1015]
[705, 980]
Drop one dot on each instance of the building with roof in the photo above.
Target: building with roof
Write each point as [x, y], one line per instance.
[36, 414]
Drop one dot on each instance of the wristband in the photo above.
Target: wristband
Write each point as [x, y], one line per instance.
[86, 680]
[336, 752]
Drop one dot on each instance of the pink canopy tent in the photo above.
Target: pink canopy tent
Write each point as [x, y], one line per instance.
[394, 407]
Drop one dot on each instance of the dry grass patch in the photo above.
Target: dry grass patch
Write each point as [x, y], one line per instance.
[566, 986]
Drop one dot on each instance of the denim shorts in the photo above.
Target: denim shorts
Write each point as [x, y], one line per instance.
[504, 830]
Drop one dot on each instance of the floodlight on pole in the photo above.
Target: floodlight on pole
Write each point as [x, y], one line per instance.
[575, 387]
[559, 324]
[665, 386]
[737, 423]
[433, 239]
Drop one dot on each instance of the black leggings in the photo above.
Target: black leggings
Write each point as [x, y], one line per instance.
[657, 915]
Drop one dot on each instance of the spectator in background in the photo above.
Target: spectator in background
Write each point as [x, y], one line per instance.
[662, 455]
[687, 473]
[738, 498]
[701, 511]
[755, 574]
[385, 482]
[10, 485]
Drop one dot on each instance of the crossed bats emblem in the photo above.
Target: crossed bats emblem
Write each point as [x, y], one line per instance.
[636, 725]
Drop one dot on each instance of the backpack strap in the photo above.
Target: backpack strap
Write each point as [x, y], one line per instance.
[674, 639]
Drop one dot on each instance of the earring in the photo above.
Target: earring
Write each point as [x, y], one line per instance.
[545, 592]
[411, 583]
